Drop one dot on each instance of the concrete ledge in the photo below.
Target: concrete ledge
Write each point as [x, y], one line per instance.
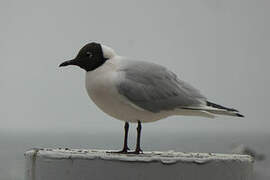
[67, 164]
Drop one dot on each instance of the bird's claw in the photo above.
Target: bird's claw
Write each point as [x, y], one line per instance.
[123, 151]
[137, 151]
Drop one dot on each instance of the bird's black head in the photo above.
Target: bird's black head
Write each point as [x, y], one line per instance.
[89, 57]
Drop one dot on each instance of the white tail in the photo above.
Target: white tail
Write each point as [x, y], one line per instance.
[217, 109]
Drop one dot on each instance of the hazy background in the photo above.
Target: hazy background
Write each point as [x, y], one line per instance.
[219, 46]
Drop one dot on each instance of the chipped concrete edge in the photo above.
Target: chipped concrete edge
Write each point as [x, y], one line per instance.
[169, 157]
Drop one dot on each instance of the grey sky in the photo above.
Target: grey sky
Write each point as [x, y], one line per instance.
[220, 47]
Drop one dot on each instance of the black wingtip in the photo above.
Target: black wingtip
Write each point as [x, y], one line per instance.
[220, 107]
[239, 115]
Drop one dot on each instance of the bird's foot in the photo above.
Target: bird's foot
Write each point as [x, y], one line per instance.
[123, 151]
[137, 151]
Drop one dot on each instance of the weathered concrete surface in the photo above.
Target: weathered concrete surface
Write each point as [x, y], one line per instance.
[78, 164]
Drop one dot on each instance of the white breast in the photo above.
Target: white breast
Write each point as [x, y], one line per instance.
[101, 88]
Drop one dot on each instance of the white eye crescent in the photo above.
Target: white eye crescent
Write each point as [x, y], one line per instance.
[89, 54]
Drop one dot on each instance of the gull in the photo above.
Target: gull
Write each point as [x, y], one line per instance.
[139, 91]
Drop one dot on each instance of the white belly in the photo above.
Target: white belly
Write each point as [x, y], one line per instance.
[102, 90]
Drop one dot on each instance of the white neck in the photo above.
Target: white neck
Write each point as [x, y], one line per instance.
[108, 52]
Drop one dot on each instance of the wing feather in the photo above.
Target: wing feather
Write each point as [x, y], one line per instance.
[154, 88]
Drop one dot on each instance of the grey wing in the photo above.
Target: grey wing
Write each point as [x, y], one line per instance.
[154, 88]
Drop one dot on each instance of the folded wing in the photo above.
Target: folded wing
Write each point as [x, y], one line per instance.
[154, 88]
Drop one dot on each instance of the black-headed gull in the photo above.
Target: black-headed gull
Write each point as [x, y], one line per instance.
[138, 91]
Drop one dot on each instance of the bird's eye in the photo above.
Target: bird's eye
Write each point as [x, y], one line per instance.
[89, 54]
